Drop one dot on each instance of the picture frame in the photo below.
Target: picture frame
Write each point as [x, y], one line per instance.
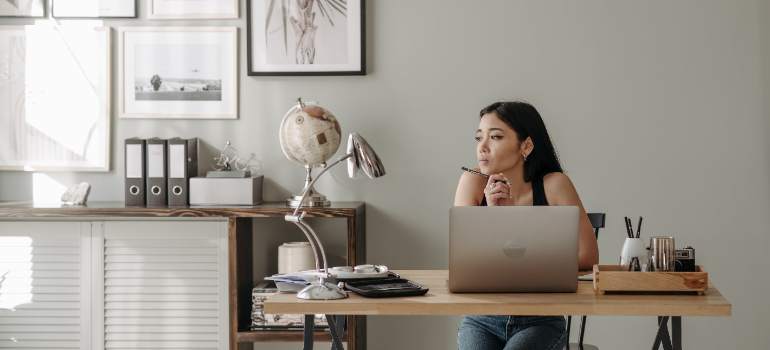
[93, 8]
[55, 114]
[336, 44]
[192, 9]
[178, 72]
[23, 8]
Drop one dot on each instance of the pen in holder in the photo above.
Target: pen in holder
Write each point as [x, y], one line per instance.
[634, 256]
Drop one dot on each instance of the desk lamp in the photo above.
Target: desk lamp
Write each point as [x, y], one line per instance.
[363, 163]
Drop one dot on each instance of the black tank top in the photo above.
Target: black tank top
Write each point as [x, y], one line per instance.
[538, 194]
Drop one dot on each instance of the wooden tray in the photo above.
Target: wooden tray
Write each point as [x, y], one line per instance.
[610, 278]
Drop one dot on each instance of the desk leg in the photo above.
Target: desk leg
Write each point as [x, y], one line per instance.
[676, 332]
[336, 343]
[582, 330]
[662, 336]
[340, 326]
[309, 332]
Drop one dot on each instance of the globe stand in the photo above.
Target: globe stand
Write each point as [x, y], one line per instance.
[313, 198]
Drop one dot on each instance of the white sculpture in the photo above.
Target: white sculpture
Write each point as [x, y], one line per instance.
[77, 193]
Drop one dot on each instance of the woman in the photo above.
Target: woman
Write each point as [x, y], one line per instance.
[514, 146]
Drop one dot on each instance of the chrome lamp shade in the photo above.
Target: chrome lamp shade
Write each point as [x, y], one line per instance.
[363, 163]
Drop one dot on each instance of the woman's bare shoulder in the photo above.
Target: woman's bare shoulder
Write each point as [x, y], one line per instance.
[556, 180]
[559, 188]
[470, 189]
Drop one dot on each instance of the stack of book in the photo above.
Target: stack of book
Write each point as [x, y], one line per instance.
[262, 321]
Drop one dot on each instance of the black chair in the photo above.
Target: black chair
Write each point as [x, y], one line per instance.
[597, 222]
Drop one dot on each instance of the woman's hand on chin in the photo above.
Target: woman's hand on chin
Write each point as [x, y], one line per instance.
[497, 190]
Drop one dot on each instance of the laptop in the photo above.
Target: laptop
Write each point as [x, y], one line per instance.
[513, 249]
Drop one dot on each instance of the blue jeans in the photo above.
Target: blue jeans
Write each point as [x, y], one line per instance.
[512, 333]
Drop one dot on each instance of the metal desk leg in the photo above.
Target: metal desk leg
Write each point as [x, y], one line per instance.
[676, 332]
[340, 326]
[336, 343]
[582, 331]
[662, 336]
[309, 332]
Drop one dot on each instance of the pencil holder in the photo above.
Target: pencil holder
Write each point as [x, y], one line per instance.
[634, 248]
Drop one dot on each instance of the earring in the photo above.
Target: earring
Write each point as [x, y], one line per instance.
[525, 157]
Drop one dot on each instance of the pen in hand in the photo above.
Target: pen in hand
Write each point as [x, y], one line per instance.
[482, 174]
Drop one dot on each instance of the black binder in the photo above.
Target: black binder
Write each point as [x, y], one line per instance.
[182, 165]
[157, 172]
[136, 172]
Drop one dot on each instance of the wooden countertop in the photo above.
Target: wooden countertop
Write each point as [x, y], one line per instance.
[119, 209]
[439, 301]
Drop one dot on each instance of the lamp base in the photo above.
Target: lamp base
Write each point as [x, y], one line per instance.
[318, 291]
[313, 198]
[318, 200]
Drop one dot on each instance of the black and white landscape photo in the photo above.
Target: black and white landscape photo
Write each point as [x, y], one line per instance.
[184, 72]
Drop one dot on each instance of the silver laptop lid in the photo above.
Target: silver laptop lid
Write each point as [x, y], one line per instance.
[513, 249]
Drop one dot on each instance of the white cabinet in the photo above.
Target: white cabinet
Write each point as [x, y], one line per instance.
[113, 285]
[44, 285]
[165, 285]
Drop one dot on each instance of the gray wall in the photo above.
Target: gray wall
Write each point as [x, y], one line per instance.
[657, 108]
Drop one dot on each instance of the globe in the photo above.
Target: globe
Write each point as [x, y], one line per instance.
[310, 134]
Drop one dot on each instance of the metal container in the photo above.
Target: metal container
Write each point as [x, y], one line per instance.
[662, 253]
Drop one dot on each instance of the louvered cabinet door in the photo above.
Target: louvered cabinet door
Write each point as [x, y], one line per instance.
[165, 285]
[45, 285]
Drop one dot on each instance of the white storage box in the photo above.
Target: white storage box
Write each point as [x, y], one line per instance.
[226, 191]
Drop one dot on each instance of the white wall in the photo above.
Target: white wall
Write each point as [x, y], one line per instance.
[657, 108]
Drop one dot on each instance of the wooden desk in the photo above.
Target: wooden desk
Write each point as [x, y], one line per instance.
[587, 301]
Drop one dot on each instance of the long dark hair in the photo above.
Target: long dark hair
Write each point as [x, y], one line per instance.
[524, 119]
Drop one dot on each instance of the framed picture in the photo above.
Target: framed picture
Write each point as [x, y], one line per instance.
[22, 8]
[325, 37]
[94, 8]
[192, 9]
[55, 113]
[178, 72]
